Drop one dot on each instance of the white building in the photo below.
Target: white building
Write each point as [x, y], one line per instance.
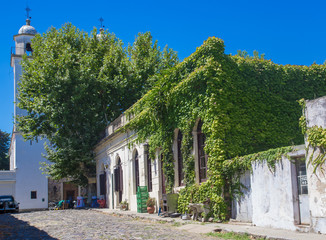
[289, 197]
[120, 169]
[24, 180]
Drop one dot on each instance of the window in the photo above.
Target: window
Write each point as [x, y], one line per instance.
[302, 176]
[149, 173]
[33, 194]
[29, 49]
[118, 179]
[118, 176]
[202, 156]
[103, 184]
[136, 162]
[180, 160]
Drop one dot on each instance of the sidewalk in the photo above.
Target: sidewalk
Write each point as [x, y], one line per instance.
[197, 227]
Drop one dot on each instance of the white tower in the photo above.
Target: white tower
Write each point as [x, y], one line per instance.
[31, 188]
[22, 46]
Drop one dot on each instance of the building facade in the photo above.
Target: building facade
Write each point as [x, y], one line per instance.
[121, 168]
[290, 196]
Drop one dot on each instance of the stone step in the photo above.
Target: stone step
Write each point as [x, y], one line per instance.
[303, 228]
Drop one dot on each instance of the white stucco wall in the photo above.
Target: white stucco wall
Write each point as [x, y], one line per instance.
[21, 41]
[270, 198]
[29, 176]
[25, 156]
[316, 116]
[12, 153]
[242, 205]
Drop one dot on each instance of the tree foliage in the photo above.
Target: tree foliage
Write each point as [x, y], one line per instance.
[247, 105]
[4, 147]
[75, 84]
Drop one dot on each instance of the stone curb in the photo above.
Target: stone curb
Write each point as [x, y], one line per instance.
[197, 227]
[144, 216]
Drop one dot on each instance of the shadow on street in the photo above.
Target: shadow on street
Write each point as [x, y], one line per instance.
[12, 228]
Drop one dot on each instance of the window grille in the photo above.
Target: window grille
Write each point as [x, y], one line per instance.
[33, 194]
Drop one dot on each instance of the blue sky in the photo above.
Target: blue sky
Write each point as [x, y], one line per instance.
[288, 32]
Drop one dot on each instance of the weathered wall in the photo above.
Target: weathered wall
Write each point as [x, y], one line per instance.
[242, 205]
[55, 190]
[316, 116]
[270, 197]
[70, 187]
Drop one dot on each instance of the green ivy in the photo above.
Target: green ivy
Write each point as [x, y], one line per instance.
[211, 189]
[302, 119]
[244, 163]
[316, 137]
[247, 105]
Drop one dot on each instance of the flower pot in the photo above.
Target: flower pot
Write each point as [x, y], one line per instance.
[150, 210]
[124, 207]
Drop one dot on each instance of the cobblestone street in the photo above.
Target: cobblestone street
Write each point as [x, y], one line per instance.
[86, 224]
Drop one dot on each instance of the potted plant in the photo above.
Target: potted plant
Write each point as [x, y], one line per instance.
[124, 205]
[150, 205]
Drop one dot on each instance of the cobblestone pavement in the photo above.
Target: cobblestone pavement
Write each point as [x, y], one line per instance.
[85, 224]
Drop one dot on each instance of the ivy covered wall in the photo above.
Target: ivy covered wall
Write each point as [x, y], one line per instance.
[247, 105]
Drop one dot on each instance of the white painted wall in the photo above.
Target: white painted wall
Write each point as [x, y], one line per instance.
[270, 198]
[107, 151]
[273, 204]
[12, 153]
[242, 205]
[29, 176]
[316, 116]
[21, 40]
[7, 182]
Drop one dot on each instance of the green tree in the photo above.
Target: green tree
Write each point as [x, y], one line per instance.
[146, 61]
[75, 84]
[4, 147]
